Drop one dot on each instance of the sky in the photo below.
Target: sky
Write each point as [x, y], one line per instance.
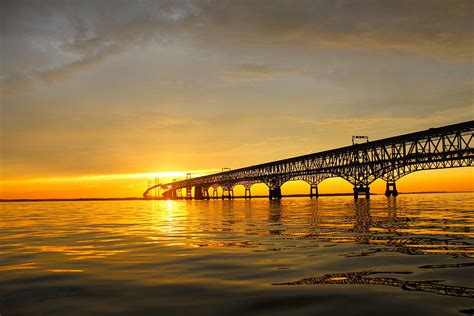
[99, 96]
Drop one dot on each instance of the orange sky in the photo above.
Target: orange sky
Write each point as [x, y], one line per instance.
[133, 185]
[127, 90]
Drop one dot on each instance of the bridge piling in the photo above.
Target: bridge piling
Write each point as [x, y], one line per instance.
[201, 192]
[361, 189]
[275, 193]
[205, 193]
[227, 193]
[313, 191]
[170, 195]
[248, 193]
[188, 193]
[391, 189]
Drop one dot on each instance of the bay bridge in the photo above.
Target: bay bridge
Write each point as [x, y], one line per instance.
[360, 164]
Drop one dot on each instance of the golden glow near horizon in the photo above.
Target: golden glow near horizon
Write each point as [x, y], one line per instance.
[111, 185]
[133, 185]
[91, 106]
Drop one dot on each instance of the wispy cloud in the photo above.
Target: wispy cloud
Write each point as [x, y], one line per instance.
[90, 33]
[436, 28]
[251, 72]
[95, 31]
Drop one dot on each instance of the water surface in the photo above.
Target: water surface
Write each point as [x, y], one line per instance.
[410, 255]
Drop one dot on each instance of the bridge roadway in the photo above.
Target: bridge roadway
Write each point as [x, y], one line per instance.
[360, 164]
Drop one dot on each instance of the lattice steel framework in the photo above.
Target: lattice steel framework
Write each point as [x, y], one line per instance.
[360, 164]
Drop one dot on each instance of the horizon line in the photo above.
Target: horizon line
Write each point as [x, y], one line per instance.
[131, 198]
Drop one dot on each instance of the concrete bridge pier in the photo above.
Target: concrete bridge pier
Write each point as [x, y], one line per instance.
[215, 193]
[201, 193]
[189, 193]
[248, 193]
[391, 189]
[227, 193]
[170, 195]
[275, 193]
[313, 191]
[197, 192]
[205, 193]
[361, 189]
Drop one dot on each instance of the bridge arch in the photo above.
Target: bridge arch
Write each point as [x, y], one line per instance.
[313, 180]
[247, 185]
[397, 173]
[147, 192]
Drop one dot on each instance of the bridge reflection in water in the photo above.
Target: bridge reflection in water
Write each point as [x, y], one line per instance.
[364, 231]
[360, 164]
[366, 277]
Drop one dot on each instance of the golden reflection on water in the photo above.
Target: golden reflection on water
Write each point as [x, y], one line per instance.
[21, 266]
[350, 222]
[103, 229]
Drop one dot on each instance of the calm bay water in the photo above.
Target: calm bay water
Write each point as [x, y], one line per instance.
[412, 255]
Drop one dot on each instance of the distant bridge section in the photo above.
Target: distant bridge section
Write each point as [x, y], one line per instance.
[360, 164]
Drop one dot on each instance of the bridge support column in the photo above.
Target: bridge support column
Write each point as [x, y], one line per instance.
[313, 191]
[228, 193]
[189, 193]
[248, 193]
[199, 193]
[391, 189]
[215, 193]
[205, 193]
[361, 189]
[275, 193]
[170, 195]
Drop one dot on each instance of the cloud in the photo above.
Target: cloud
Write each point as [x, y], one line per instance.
[65, 71]
[79, 35]
[54, 40]
[143, 142]
[251, 72]
[436, 28]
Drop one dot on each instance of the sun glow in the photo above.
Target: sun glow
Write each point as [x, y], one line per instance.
[111, 177]
[134, 184]
[85, 186]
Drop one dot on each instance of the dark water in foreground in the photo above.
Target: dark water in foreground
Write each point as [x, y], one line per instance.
[412, 255]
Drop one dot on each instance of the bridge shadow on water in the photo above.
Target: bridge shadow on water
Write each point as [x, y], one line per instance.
[365, 230]
[370, 278]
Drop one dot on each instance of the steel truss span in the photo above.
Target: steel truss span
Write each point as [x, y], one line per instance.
[360, 164]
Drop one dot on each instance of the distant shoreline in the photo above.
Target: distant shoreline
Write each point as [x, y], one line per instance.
[237, 197]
